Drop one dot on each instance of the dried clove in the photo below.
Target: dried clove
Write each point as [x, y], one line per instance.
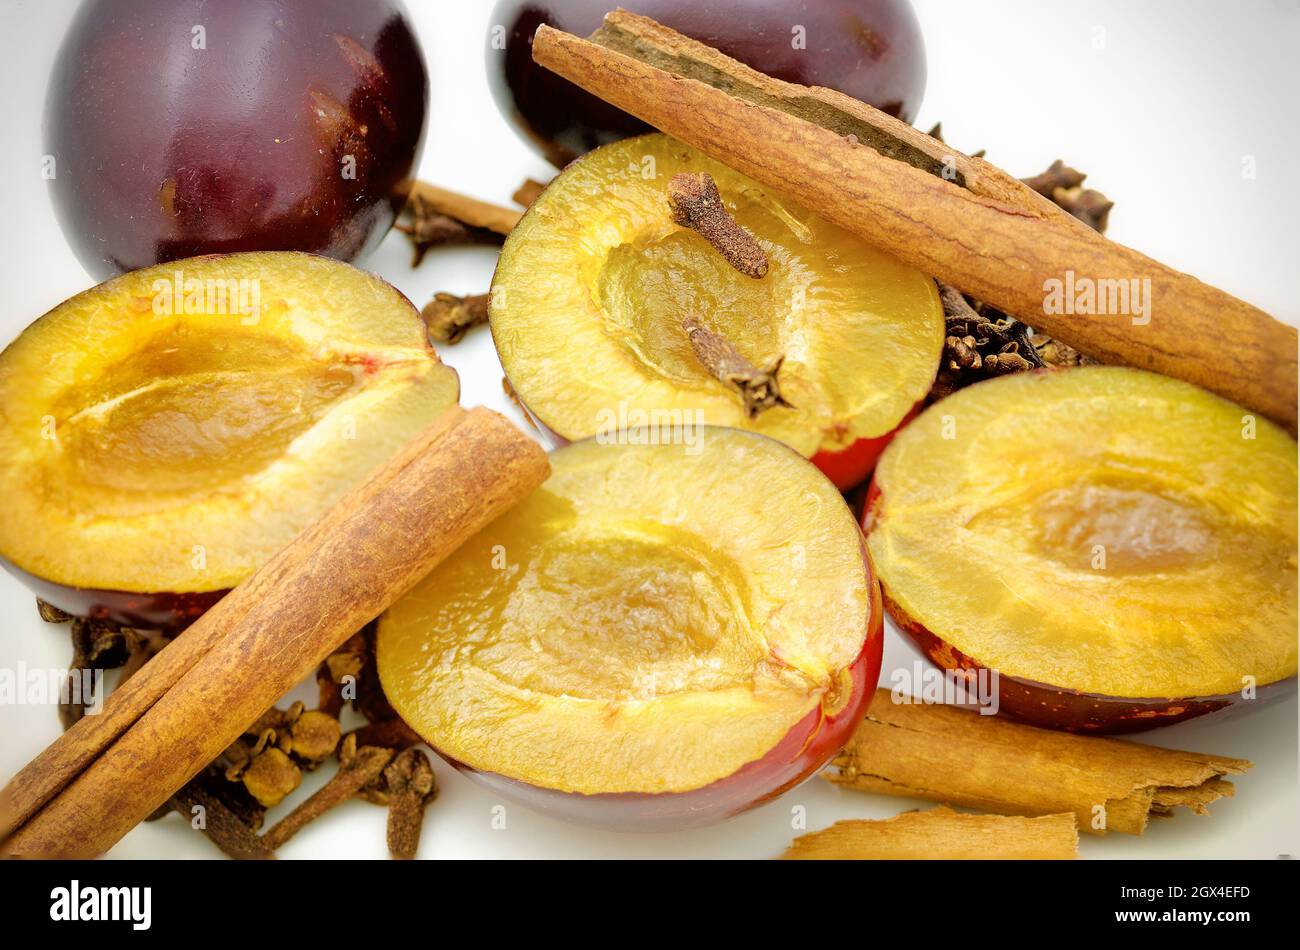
[411, 785]
[270, 775]
[337, 677]
[1001, 364]
[231, 826]
[265, 759]
[1057, 175]
[759, 388]
[1055, 353]
[697, 204]
[358, 767]
[429, 228]
[390, 733]
[353, 665]
[1064, 185]
[981, 341]
[284, 743]
[1090, 207]
[51, 614]
[449, 317]
[97, 645]
[313, 736]
[962, 354]
[351, 670]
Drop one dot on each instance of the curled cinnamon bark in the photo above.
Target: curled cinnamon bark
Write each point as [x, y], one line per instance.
[216, 679]
[944, 213]
[947, 754]
[941, 833]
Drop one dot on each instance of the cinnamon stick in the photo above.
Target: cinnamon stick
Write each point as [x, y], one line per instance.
[947, 754]
[528, 192]
[941, 833]
[953, 216]
[195, 698]
[471, 211]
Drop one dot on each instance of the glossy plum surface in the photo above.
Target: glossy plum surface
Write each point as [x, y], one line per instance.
[184, 127]
[192, 447]
[870, 49]
[1057, 707]
[148, 611]
[805, 749]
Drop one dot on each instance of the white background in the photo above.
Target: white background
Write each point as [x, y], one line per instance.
[1161, 102]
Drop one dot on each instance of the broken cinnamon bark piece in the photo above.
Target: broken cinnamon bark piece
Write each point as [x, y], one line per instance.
[952, 755]
[941, 833]
[528, 192]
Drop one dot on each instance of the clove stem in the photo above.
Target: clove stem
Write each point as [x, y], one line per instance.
[357, 769]
[759, 388]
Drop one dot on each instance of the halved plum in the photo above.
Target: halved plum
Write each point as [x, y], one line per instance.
[640, 643]
[162, 434]
[1119, 546]
[596, 281]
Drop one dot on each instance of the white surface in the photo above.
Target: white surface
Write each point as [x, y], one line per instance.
[1160, 102]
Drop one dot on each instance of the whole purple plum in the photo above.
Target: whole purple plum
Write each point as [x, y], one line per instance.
[184, 127]
[869, 49]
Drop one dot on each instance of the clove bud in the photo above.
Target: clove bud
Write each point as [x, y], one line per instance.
[357, 769]
[411, 786]
[449, 317]
[697, 204]
[759, 388]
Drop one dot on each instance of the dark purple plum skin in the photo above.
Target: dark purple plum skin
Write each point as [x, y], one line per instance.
[869, 49]
[169, 612]
[163, 151]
